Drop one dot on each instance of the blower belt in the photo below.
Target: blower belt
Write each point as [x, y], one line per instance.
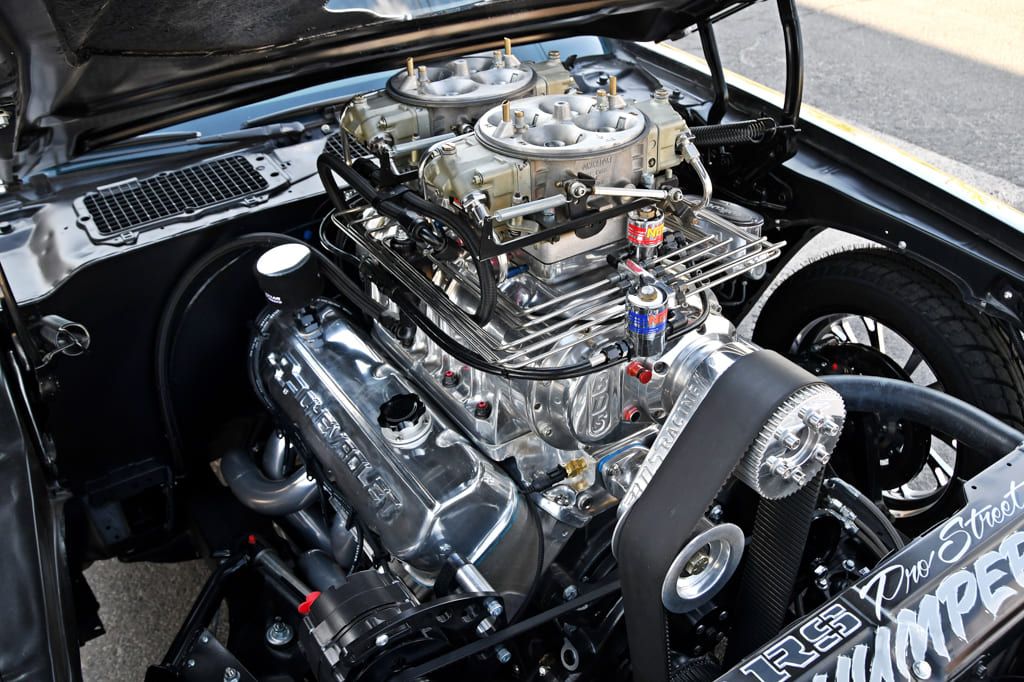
[662, 520]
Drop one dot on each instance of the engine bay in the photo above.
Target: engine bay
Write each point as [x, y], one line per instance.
[544, 285]
[452, 375]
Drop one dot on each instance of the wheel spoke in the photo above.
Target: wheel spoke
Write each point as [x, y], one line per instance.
[836, 328]
[875, 333]
[913, 362]
[848, 330]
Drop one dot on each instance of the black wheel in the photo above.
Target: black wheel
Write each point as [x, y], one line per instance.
[875, 312]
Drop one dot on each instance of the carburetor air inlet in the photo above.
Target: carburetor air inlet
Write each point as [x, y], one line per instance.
[646, 319]
[645, 230]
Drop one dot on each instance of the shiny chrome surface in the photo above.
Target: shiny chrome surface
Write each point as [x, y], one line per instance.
[262, 494]
[782, 457]
[702, 567]
[795, 443]
[463, 81]
[441, 98]
[562, 126]
[423, 502]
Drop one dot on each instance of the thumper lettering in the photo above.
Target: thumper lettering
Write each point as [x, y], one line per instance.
[957, 537]
[939, 618]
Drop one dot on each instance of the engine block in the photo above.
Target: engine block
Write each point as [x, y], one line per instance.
[425, 490]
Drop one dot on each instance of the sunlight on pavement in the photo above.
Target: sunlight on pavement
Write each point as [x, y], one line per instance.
[951, 25]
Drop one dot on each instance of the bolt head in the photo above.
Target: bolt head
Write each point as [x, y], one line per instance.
[494, 607]
[715, 514]
[570, 593]
[190, 663]
[503, 655]
[279, 633]
[231, 675]
[849, 565]
[790, 440]
[382, 640]
[922, 670]
[1007, 295]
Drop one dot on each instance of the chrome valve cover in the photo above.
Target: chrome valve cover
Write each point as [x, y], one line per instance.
[423, 489]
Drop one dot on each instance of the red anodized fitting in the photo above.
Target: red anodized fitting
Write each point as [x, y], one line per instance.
[641, 371]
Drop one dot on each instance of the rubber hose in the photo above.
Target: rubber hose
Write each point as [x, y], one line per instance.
[405, 203]
[262, 495]
[936, 410]
[462, 228]
[165, 340]
[744, 132]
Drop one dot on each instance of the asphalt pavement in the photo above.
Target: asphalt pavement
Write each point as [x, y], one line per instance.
[941, 79]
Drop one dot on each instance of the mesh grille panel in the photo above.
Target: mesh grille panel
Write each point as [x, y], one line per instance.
[335, 146]
[139, 202]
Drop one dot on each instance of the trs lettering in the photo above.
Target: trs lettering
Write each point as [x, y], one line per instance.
[823, 632]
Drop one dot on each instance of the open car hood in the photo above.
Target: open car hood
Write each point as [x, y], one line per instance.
[80, 74]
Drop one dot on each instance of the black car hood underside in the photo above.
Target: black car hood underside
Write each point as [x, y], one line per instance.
[84, 73]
